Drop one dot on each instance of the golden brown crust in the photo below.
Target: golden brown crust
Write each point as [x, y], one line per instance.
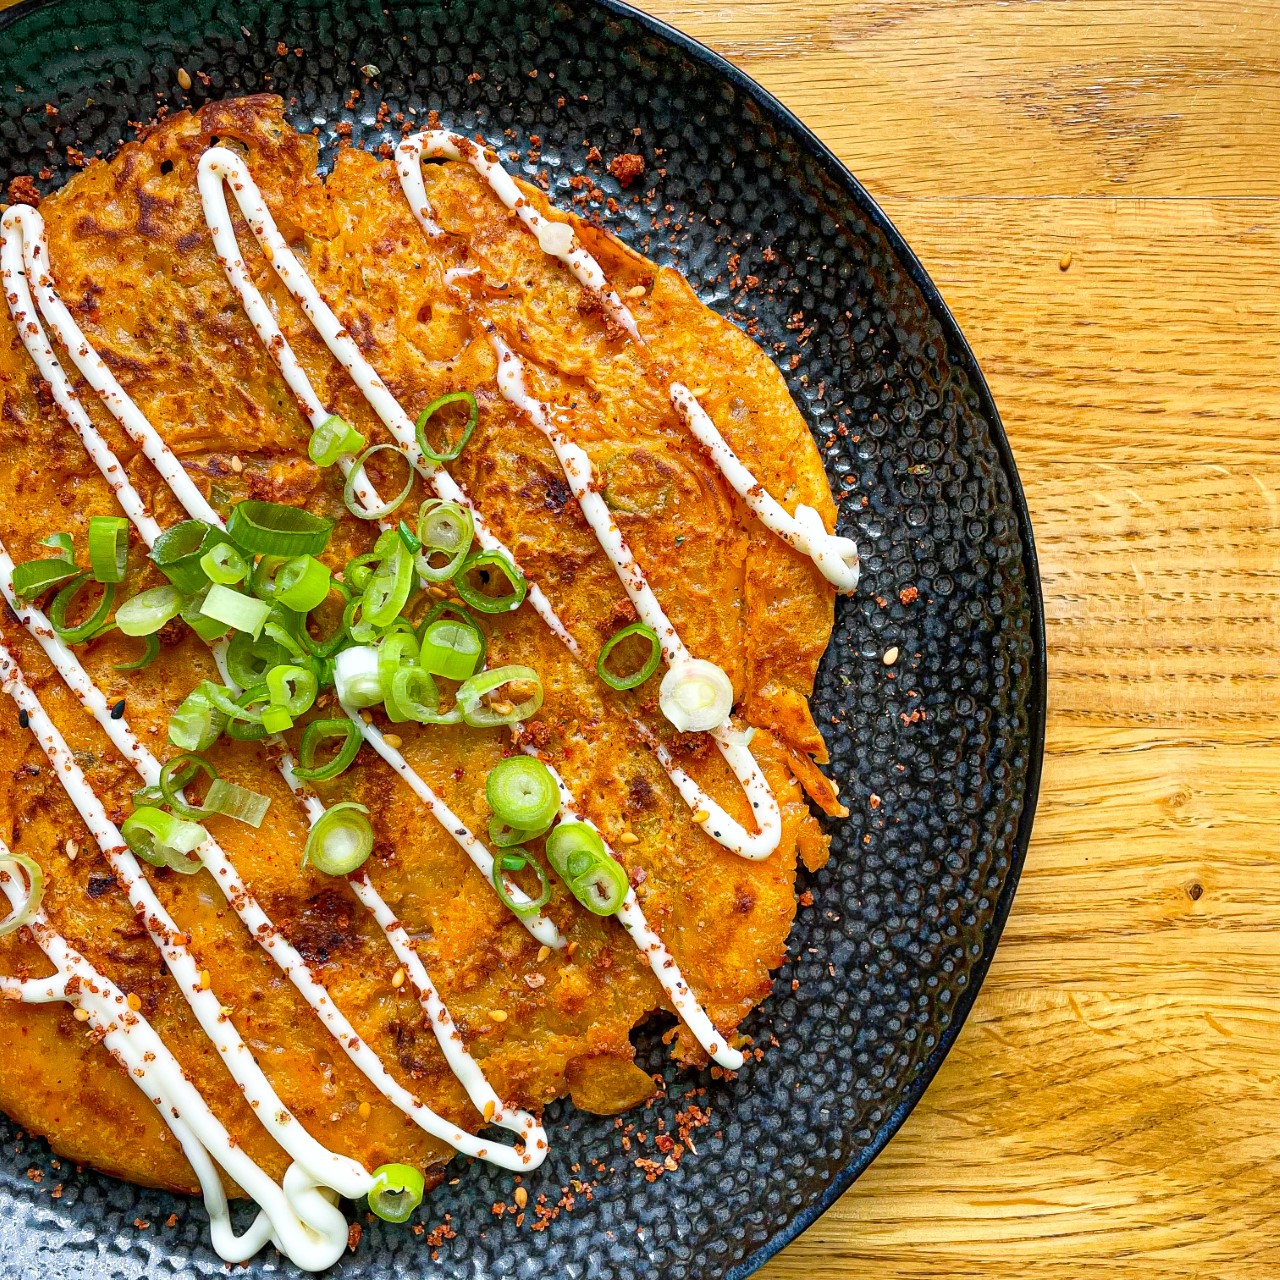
[131, 256]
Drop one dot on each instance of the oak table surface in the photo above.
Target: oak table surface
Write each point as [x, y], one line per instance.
[1094, 187]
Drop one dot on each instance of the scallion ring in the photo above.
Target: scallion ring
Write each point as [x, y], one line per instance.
[272, 529]
[507, 863]
[396, 1192]
[451, 649]
[397, 649]
[162, 840]
[447, 529]
[293, 688]
[577, 852]
[330, 644]
[643, 672]
[340, 840]
[357, 473]
[32, 578]
[249, 660]
[148, 611]
[302, 583]
[359, 570]
[410, 539]
[66, 598]
[149, 654]
[178, 551]
[696, 695]
[197, 723]
[179, 772]
[224, 564]
[354, 624]
[498, 712]
[276, 719]
[241, 804]
[484, 562]
[502, 836]
[108, 548]
[390, 583]
[450, 609]
[331, 439]
[235, 609]
[208, 629]
[318, 734]
[355, 677]
[412, 695]
[522, 793]
[473, 413]
[249, 724]
[24, 914]
[63, 544]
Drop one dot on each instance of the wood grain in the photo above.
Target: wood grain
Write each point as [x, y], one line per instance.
[1111, 1107]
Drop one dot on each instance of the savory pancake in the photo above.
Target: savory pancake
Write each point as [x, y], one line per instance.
[131, 255]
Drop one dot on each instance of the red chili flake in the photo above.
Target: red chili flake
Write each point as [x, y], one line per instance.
[806, 899]
[627, 168]
[874, 800]
[22, 190]
[282, 49]
[909, 595]
[75, 157]
[474, 77]
[354, 1232]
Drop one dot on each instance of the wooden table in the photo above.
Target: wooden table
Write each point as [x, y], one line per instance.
[1093, 186]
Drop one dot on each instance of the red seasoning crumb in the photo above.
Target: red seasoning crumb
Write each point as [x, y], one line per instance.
[354, 1232]
[806, 899]
[22, 190]
[75, 157]
[909, 595]
[626, 168]
[593, 156]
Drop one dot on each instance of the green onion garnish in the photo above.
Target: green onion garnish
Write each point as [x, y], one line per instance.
[356, 627]
[245, 724]
[272, 529]
[482, 562]
[517, 859]
[196, 724]
[179, 772]
[396, 649]
[63, 544]
[293, 688]
[390, 583]
[331, 439]
[32, 578]
[359, 570]
[408, 537]
[318, 734]
[522, 793]
[412, 695]
[249, 660]
[177, 553]
[643, 672]
[228, 799]
[498, 711]
[580, 859]
[276, 719]
[396, 1192]
[444, 528]
[241, 612]
[329, 645]
[473, 413]
[451, 650]
[236, 802]
[148, 611]
[149, 654]
[357, 473]
[108, 548]
[222, 563]
[355, 676]
[208, 629]
[341, 839]
[502, 836]
[163, 840]
[67, 597]
[449, 609]
[35, 891]
[302, 583]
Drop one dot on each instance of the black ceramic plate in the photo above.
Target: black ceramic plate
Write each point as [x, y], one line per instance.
[906, 916]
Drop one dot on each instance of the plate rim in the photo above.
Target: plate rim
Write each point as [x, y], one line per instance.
[1037, 703]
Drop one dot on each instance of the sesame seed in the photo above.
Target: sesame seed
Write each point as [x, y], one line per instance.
[236, 465]
[490, 1108]
[497, 1015]
[543, 953]
[701, 816]
[81, 1015]
[636, 291]
[225, 1010]
[117, 712]
[629, 837]
[205, 980]
[393, 740]
[184, 78]
[367, 717]
[571, 948]
[522, 1197]
[890, 656]
[365, 1111]
[397, 978]
[24, 720]
[72, 850]
[133, 1002]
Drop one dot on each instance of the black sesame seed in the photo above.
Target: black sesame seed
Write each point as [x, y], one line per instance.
[24, 720]
[117, 712]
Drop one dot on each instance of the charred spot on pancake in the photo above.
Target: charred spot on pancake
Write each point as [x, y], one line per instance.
[100, 884]
[321, 927]
[640, 793]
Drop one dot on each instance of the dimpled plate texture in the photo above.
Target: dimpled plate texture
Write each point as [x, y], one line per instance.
[905, 918]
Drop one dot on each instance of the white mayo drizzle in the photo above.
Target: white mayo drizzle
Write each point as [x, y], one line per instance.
[131, 1039]
[219, 166]
[126, 411]
[836, 557]
[306, 1232]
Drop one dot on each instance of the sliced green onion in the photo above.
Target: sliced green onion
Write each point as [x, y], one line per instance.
[451, 650]
[444, 528]
[696, 695]
[482, 716]
[451, 609]
[249, 660]
[359, 570]
[244, 723]
[408, 537]
[341, 839]
[473, 413]
[357, 473]
[331, 439]
[179, 772]
[276, 719]
[357, 628]
[318, 734]
[62, 543]
[231, 800]
[302, 583]
[177, 553]
[510, 861]
[283, 627]
[293, 688]
[580, 859]
[642, 673]
[235, 609]
[163, 840]
[272, 529]
[396, 1192]
[391, 582]
[330, 645]
[149, 654]
[236, 706]
[502, 836]
[522, 793]
[67, 597]
[24, 914]
[208, 629]
[197, 724]
[412, 695]
[148, 611]
[355, 676]
[482, 562]
[222, 563]
[108, 548]
[32, 578]
[397, 649]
